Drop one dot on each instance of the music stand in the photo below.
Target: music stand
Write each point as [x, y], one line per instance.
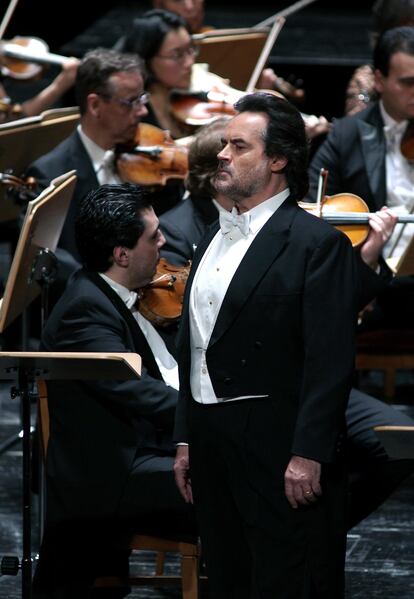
[41, 230]
[398, 441]
[232, 54]
[24, 140]
[25, 367]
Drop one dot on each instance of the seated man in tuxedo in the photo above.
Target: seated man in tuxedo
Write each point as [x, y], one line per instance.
[109, 461]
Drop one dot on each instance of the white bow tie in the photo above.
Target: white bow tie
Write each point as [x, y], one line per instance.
[229, 220]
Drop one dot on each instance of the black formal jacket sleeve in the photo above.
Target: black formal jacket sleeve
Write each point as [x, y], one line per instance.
[354, 155]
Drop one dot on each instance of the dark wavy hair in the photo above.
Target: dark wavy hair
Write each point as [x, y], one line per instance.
[285, 136]
[398, 39]
[96, 68]
[148, 32]
[109, 216]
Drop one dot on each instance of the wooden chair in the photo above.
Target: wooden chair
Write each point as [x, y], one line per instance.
[189, 551]
[386, 350]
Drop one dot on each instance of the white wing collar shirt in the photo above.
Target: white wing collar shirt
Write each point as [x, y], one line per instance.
[165, 361]
[103, 161]
[211, 281]
[399, 182]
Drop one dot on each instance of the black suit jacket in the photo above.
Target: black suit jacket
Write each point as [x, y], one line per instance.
[285, 329]
[354, 155]
[68, 155]
[97, 427]
[184, 225]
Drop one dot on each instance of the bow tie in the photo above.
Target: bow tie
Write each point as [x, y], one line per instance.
[229, 220]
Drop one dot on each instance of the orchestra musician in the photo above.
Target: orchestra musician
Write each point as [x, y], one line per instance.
[110, 92]
[162, 39]
[363, 156]
[264, 418]
[387, 14]
[110, 452]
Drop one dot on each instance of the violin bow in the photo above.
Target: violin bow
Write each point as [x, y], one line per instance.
[271, 38]
[286, 12]
[7, 16]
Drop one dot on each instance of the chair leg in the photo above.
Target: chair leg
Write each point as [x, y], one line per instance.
[159, 563]
[389, 382]
[189, 576]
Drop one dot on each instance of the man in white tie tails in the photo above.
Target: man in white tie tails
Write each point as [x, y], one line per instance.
[364, 156]
[266, 357]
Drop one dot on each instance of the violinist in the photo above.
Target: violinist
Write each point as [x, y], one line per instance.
[110, 92]
[162, 39]
[363, 156]
[45, 99]
[386, 14]
[115, 456]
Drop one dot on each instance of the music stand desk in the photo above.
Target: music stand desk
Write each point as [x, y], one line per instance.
[24, 367]
[398, 441]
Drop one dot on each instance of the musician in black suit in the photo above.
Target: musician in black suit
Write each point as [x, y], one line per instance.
[266, 360]
[109, 89]
[109, 460]
[363, 156]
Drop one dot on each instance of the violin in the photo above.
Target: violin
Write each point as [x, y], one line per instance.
[20, 189]
[161, 301]
[152, 159]
[22, 57]
[346, 211]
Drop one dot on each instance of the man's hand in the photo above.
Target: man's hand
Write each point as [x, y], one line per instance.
[302, 481]
[381, 226]
[182, 473]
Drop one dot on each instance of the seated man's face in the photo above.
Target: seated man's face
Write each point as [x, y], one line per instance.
[145, 255]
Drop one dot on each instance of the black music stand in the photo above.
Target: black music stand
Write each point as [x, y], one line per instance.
[32, 267]
[398, 441]
[25, 367]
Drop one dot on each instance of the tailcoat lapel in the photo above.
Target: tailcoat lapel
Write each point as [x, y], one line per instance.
[262, 253]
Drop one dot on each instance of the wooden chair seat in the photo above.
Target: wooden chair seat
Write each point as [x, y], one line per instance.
[388, 350]
[189, 550]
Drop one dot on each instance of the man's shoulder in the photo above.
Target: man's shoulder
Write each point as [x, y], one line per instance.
[61, 153]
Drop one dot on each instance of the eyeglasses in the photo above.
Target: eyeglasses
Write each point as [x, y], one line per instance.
[141, 100]
[180, 54]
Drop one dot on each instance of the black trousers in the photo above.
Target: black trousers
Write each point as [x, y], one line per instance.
[74, 553]
[373, 476]
[255, 545]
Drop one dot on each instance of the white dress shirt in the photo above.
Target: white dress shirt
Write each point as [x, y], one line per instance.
[211, 281]
[103, 161]
[400, 184]
[165, 361]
